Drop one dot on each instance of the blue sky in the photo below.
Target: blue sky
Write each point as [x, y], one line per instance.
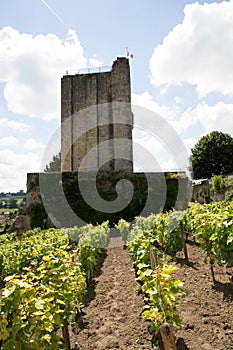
[182, 70]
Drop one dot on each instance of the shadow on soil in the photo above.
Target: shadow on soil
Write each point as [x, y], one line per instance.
[180, 344]
[184, 263]
[226, 289]
[192, 242]
[92, 284]
[91, 290]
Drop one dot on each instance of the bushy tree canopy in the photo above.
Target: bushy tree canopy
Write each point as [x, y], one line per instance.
[212, 155]
[54, 165]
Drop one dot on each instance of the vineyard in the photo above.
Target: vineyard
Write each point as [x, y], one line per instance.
[183, 268]
[44, 284]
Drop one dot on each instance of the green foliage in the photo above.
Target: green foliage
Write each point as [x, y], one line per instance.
[228, 182]
[160, 290]
[13, 202]
[228, 189]
[123, 226]
[167, 231]
[164, 228]
[33, 185]
[212, 155]
[229, 195]
[54, 165]
[158, 286]
[44, 284]
[172, 188]
[38, 216]
[212, 225]
[106, 186]
[36, 303]
[91, 245]
[218, 183]
[139, 245]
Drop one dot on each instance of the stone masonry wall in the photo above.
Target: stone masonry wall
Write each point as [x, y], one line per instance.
[91, 114]
[56, 199]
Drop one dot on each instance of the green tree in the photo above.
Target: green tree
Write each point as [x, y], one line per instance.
[54, 165]
[12, 203]
[212, 155]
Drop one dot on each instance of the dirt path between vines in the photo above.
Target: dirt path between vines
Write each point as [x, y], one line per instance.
[112, 313]
[206, 309]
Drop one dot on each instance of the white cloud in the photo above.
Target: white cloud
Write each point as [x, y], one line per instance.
[146, 100]
[14, 168]
[203, 118]
[189, 143]
[184, 121]
[217, 117]
[32, 144]
[31, 67]
[95, 62]
[156, 130]
[164, 90]
[13, 124]
[8, 141]
[173, 115]
[178, 99]
[161, 158]
[198, 51]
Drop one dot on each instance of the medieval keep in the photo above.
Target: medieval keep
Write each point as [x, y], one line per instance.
[95, 111]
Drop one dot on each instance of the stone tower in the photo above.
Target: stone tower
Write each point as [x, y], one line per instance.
[97, 121]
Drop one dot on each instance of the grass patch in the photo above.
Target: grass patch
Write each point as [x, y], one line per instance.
[6, 210]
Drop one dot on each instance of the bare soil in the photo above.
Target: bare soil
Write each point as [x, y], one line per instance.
[111, 318]
[206, 309]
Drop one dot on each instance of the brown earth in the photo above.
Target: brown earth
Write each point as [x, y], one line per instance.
[206, 309]
[112, 315]
[111, 318]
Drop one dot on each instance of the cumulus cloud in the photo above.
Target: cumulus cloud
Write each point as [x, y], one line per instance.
[184, 121]
[178, 99]
[95, 62]
[198, 51]
[154, 155]
[13, 124]
[31, 68]
[14, 168]
[217, 117]
[156, 130]
[188, 126]
[8, 141]
[172, 114]
[32, 144]
[189, 143]
[147, 100]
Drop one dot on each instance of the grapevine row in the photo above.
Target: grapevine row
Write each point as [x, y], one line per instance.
[212, 227]
[44, 282]
[156, 282]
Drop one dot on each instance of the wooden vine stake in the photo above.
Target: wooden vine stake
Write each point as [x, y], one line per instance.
[212, 270]
[153, 258]
[167, 336]
[66, 336]
[183, 241]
